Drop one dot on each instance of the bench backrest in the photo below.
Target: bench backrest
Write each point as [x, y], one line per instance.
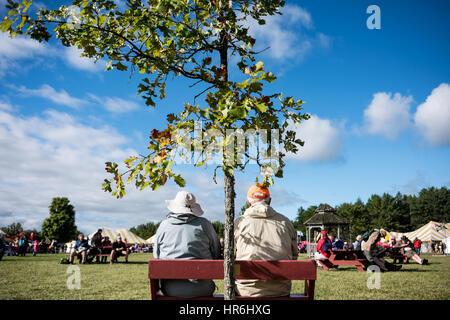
[213, 269]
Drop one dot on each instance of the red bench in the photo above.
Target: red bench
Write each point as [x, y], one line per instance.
[213, 269]
[344, 257]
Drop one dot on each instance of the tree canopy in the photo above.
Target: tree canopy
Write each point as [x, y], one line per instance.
[61, 223]
[146, 230]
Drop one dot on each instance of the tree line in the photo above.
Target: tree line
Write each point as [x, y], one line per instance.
[400, 213]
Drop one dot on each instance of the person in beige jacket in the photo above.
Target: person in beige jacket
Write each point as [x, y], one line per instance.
[261, 233]
[374, 253]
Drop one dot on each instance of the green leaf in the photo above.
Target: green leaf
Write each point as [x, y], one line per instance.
[179, 181]
[261, 107]
[120, 66]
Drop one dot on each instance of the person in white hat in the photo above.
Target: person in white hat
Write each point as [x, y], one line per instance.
[184, 234]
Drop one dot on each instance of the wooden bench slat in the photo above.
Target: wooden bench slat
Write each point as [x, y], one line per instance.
[213, 269]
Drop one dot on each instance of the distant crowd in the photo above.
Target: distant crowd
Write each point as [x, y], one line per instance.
[21, 245]
[373, 247]
[102, 247]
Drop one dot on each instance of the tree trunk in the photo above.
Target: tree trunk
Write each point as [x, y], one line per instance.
[228, 254]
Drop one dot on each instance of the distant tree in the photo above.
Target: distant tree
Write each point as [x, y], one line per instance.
[219, 227]
[431, 204]
[244, 207]
[389, 212]
[61, 223]
[12, 230]
[357, 214]
[147, 230]
[302, 216]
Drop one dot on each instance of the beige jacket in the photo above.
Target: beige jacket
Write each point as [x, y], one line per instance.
[264, 234]
[371, 243]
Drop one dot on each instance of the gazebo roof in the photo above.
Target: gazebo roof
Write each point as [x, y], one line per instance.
[326, 215]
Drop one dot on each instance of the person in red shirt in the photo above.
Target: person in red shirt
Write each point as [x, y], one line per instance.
[417, 245]
[323, 248]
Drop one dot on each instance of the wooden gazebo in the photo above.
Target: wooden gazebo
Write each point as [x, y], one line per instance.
[325, 216]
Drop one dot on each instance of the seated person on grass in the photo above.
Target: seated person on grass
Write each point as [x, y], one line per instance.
[119, 249]
[96, 243]
[105, 250]
[323, 248]
[184, 234]
[80, 249]
[407, 249]
[261, 233]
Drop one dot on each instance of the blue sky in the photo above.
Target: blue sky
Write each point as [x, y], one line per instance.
[379, 100]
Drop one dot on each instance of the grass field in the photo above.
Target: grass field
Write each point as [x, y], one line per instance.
[42, 277]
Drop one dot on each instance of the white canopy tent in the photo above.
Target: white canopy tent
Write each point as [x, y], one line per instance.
[127, 236]
[151, 240]
[432, 231]
[447, 245]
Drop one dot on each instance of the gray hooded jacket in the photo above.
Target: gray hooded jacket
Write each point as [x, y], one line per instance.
[185, 236]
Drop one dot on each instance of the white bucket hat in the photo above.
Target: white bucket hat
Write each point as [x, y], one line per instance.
[184, 202]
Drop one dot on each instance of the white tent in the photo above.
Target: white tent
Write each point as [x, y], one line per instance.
[432, 231]
[151, 240]
[70, 246]
[127, 236]
[447, 245]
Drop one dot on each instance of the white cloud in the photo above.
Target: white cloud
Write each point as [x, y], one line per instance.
[297, 14]
[432, 117]
[20, 47]
[56, 155]
[388, 115]
[287, 34]
[5, 106]
[323, 141]
[115, 104]
[48, 92]
[14, 50]
[73, 58]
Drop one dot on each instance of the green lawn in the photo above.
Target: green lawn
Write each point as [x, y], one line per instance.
[42, 277]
